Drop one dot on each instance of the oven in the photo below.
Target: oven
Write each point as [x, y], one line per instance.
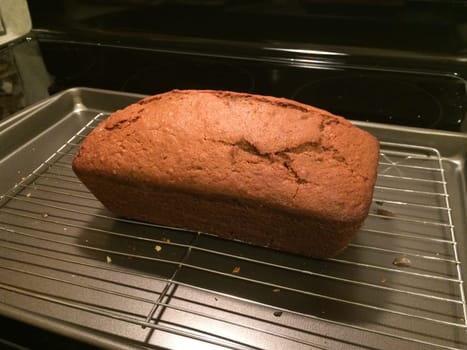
[74, 276]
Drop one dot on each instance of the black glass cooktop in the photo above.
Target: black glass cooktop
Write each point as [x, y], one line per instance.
[395, 62]
[395, 97]
[388, 61]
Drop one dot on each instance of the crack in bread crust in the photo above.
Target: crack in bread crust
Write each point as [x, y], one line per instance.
[282, 156]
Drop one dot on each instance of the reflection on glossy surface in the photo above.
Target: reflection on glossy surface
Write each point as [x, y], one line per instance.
[372, 98]
[11, 87]
[196, 75]
[23, 78]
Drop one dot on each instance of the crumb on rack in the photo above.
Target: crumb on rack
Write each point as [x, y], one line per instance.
[108, 259]
[384, 212]
[157, 248]
[276, 290]
[277, 313]
[402, 262]
[236, 269]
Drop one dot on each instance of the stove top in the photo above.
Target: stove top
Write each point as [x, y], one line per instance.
[394, 62]
[410, 98]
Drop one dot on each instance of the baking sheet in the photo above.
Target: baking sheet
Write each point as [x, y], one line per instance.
[69, 266]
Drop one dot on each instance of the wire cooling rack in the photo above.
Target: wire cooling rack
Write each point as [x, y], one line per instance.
[398, 284]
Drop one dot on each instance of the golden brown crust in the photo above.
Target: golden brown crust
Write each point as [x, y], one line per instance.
[264, 158]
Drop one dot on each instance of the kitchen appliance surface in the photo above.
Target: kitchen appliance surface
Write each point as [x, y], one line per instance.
[72, 275]
[70, 266]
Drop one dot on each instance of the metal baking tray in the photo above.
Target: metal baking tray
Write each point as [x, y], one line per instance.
[69, 266]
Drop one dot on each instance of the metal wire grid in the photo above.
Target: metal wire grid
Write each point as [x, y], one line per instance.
[399, 283]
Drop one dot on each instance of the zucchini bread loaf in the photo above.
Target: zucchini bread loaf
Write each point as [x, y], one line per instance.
[263, 170]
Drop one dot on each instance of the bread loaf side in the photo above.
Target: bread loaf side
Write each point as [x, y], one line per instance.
[263, 170]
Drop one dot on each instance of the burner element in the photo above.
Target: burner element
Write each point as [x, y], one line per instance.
[189, 75]
[373, 99]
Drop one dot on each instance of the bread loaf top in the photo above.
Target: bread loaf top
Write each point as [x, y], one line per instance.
[273, 151]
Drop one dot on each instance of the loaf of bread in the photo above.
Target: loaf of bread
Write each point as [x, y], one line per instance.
[263, 170]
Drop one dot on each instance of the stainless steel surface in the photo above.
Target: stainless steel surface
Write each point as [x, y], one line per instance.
[69, 265]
